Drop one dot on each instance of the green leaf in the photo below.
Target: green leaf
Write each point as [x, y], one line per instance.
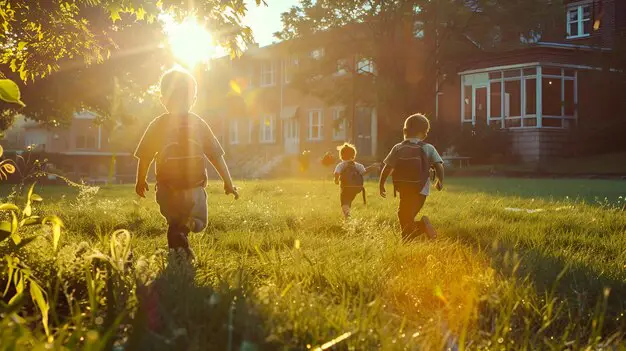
[1, 151]
[37, 295]
[10, 92]
[28, 210]
[36, 198]
[30, 192]
[9, 207]
[32, 220]
[14, 234]
[56, 224]
[21, 45]
[115, 13]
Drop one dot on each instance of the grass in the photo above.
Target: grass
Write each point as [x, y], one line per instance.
[279, 269]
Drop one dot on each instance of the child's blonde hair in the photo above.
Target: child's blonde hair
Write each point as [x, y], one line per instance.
[416, 124]
[347, 152]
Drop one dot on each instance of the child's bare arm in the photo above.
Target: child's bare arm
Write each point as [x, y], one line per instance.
[372, 168]
[336, 178]
[439, 174]
[383, 178]
[141, 184]
[222, 169]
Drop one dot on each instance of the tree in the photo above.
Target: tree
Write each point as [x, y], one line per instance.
[71, 54]
[396, 37]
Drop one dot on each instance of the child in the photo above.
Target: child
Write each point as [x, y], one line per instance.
[410, 162]
[180, 141]
[350, 175]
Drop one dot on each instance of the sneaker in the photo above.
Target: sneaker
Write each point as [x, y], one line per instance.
[428, 228]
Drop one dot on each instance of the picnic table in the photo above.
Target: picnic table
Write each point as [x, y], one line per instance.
[462, 161]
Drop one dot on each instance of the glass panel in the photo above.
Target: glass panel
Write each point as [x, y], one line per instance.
[530, 122]
[513, 98]
[552, 122]
[586, 27]
[512, 73]
[573, 29]
[513, 123]
[586, 12]
[551, 96]
[570, 107]
[467, 103]
[530, 71]
[495, 75]
[551, 71]
[481, 105]
[496, 100]
[531, 96]
[573, 14]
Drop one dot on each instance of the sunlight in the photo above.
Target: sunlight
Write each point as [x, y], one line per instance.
[189, 41]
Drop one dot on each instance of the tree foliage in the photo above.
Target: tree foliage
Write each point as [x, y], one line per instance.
[93, 54]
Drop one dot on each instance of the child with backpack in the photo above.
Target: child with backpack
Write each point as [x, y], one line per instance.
[409, 164]
[349, 174]
[181, 142]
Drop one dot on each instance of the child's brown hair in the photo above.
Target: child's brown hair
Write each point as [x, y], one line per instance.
[347, 152]
[178, 84]
[415, 125]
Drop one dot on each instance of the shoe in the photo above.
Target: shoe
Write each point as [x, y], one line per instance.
[428, 228]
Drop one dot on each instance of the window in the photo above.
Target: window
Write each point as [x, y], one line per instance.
[496, 100]
[317, 54]
[342, 66]
[418, 30]
[339, 124]
[233, 132]
[315, 125]
[579, 21]
[551, 99]
[513, 98]
[365, 66]
[80, 141]
[267, 74]
[289, 66]
[268, 125]
[531, 96]
[467, 103]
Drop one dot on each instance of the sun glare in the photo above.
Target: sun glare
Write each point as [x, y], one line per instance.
[189, 41]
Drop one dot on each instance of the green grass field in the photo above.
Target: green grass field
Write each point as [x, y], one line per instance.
[279, 269]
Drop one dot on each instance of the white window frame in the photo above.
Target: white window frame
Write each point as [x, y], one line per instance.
[317, 54]
[341, 134]
[365, 65]
[580, 21]
[539, 74]
[268, 72]
[319, 123]
[264, 127]
[288, 67]
[233, 132]
[418, 30]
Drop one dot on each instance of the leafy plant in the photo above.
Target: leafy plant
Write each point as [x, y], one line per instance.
[19, 275]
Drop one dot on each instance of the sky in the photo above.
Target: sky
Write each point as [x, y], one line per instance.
[265, 20]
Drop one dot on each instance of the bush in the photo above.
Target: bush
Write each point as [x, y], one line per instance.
[483, 143]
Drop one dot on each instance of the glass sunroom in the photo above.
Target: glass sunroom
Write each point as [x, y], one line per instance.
[520, 96]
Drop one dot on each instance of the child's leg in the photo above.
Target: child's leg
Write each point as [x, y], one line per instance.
[175, 208]
[411, 202]
[199, 217]
[347, 196]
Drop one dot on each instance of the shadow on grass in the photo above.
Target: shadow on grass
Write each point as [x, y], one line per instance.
[176, 313]
[587, 190]
[582, 287]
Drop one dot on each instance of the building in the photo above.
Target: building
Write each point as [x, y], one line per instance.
[538, 92]
[84, 151]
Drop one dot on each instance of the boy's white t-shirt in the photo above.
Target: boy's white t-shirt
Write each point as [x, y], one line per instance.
[343, 164]
[431, 153]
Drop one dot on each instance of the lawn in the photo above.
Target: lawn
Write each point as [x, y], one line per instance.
[280, 269]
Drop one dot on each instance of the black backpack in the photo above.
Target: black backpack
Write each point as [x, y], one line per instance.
[412, 168]
[350, 177]
[181, 161]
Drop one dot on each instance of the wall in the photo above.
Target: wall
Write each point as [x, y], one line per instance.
[538, 145]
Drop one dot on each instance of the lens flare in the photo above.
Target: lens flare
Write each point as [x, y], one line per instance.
[189, 41]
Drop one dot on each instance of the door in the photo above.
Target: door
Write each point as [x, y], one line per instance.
[291, 133]
[479, 108]
[364, 131]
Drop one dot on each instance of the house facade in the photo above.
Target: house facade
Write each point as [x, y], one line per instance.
[83, 151]
[539, 92]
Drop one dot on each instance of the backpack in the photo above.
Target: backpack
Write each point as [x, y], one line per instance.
[412, 169]
[350, 177]
[181, 161]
